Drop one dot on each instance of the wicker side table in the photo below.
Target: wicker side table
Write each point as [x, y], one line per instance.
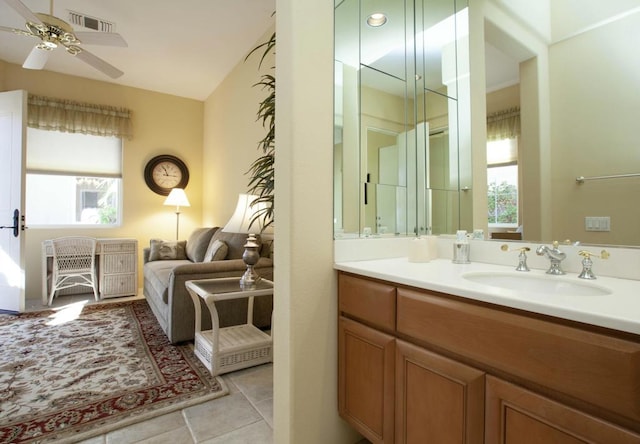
[227, 349]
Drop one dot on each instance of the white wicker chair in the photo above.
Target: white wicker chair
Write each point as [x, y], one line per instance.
[74, 263]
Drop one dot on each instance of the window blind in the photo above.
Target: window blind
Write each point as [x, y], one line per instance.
[53, 152]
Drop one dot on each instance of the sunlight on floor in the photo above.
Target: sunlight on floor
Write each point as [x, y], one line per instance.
[66, 313]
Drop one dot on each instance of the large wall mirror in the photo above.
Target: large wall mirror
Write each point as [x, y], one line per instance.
[571, 70]
[402, 154]
[561, 75]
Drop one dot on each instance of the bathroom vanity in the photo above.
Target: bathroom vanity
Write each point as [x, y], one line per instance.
[427, 354]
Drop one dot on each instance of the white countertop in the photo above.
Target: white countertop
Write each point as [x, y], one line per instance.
[619, 310]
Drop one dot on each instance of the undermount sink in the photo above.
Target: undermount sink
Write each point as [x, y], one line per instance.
[544, 284]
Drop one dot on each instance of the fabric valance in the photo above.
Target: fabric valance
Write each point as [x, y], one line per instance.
[503, 124]
[53, 114]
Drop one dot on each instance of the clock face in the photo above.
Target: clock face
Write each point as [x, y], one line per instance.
[165, 172]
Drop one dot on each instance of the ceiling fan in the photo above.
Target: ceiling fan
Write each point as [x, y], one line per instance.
[54, 32]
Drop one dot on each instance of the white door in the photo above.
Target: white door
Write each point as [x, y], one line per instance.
[13, 120]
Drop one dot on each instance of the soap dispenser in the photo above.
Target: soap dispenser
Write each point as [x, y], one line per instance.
[461, 248]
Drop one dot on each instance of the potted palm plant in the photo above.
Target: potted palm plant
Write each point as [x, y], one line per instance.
[262, 170]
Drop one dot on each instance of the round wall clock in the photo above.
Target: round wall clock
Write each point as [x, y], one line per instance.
[165, 172]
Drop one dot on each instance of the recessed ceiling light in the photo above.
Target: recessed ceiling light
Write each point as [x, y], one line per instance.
[376, 19]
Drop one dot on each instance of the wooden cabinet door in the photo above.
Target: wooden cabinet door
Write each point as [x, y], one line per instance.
[517, 416]
[438, 400]
[366, 360]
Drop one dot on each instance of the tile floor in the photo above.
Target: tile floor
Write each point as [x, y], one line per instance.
[245, 415]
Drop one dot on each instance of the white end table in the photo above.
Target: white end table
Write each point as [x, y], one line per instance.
[227, 349]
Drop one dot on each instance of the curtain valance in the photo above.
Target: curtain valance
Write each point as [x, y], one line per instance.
[503, 124]
[53, 114]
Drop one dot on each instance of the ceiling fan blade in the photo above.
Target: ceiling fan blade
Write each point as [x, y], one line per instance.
[101, 38]
[16, 31]
[36, 59]
[25, 12]
[99, 64]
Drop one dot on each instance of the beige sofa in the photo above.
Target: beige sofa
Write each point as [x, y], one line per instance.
[168, 265]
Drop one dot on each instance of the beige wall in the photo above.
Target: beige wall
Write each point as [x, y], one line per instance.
[594, 132]
[503, 99]
[231, 136]
[162, 124]
[305, 361]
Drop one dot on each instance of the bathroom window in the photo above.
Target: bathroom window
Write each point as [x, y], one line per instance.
[502, 183]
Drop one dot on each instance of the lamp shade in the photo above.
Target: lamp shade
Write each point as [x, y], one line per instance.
[240, 222]
[178, 198]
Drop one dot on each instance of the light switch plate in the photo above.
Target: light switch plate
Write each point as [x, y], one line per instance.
[597, 223]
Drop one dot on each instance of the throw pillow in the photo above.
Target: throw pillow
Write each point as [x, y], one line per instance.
[164, 250]
[198, 242]
[216, 251]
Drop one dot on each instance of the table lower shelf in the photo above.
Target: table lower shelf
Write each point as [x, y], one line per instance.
[239, 346]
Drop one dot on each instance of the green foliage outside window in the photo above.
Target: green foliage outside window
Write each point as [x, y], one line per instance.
[503, 203]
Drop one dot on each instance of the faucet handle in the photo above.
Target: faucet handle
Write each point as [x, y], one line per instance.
[505, 247]
[587, 263]
[604, 254]
[522, 257]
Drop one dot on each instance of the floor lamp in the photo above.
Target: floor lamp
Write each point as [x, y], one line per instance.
[240, 222]
[178, 198]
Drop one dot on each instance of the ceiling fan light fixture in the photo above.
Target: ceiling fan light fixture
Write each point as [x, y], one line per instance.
[376, 19]
[47, 45]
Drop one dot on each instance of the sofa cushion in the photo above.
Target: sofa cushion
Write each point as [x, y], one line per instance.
[166, 250]
[216, 251]
[198, 242]
[266, 250]
[158, 274]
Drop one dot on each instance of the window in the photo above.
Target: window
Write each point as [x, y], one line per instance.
[73, 179]
[502, 183]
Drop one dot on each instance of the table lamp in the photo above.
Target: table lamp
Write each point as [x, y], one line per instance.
[240, 222]
[178, 198]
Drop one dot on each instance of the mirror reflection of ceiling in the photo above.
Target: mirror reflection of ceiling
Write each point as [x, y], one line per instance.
[554, 21]
[383, 47]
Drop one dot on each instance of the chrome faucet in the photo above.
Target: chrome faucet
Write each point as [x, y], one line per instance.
[587, 263]
[522, 257]
[554, 255]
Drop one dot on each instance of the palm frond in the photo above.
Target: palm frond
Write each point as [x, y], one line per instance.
[262, 170]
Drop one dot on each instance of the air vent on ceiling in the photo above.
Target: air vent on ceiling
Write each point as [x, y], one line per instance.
[79, 19]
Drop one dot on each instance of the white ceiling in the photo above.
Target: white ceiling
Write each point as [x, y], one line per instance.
[185, 48]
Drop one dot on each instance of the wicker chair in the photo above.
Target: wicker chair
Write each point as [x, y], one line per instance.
[74, 264]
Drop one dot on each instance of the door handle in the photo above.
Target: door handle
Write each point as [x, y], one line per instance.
[16, 223]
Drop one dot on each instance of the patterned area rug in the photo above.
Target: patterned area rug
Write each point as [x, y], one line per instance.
[78, 372]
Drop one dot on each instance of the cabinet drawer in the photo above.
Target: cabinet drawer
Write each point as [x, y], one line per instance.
[370, 301]
[118, 285]
[117, 247]
[599, 369]
[118, 263]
